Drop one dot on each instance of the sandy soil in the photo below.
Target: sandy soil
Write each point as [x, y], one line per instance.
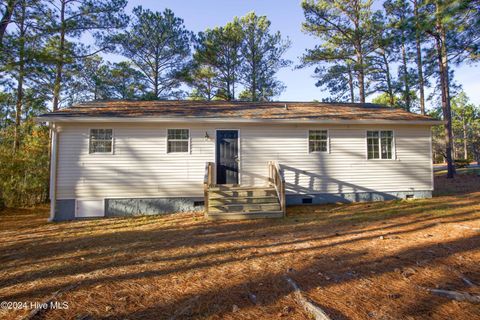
[357, 261]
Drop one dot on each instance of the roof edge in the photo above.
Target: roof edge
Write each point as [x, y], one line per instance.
[230, 120]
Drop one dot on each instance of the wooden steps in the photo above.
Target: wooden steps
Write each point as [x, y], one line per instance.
[243, 202]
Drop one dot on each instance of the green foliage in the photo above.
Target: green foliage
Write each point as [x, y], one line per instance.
[244, 52]
[202, 79]
[386, 100]
[218, 49]
[346, 31]
[158, 44]
[96, 80]
[262, 52]
[462, 163]
[24, 174]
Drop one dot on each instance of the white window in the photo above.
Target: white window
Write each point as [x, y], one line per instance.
[178, 140]
[318, 141]
[101, 141]
[380, 144]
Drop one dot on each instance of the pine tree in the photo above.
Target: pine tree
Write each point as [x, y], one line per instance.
[70, 19]
[8, 9]
[219, 49]
[399, 13]
[382, 58]
[453, 44]
[262, 54]
[341, 24]
[158, 44]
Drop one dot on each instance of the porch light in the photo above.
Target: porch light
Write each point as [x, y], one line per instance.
[207, 137]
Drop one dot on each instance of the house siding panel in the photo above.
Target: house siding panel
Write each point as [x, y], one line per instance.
[140, 166]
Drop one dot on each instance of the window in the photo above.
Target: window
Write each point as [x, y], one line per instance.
[178, 140]
[318, 141]
[380, 144]
[101, 141]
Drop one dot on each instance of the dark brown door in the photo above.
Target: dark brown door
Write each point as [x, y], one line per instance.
[227, 156]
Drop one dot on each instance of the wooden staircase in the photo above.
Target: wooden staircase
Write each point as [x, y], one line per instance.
[243, 202]
[240, 202]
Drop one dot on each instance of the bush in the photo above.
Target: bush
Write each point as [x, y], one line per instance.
[24, 174]
[462, 163]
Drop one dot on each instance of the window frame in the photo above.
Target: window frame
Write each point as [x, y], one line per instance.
[308, 140]
[100, 153]
[188, 140]
[394, 149]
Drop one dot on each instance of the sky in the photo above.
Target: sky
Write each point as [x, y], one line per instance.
[286, 16]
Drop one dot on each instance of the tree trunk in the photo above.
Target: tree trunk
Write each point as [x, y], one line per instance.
[59, 66]
[447, 113]
[361, 76]
[350, 84]
[421, 84]
[21, 75]
[465, 144]
[155, 78]
[7, 16]
[233, 87]
[451, 167]
[405, 75]
[389, 79]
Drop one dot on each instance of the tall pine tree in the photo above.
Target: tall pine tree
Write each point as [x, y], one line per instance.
[158, 44]
[262, 53]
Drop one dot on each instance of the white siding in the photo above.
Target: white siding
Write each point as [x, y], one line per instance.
[140, 166]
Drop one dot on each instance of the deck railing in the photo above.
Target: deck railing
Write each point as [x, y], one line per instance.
[207, 182]
[276, 179]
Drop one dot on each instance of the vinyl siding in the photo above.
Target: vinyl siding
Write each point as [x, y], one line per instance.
[140, 166]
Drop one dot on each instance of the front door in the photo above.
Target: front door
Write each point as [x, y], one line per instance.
[227, 156]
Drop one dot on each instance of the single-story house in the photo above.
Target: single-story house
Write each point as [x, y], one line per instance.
[232, 159]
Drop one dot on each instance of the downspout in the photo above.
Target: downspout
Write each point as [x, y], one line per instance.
[53, 171]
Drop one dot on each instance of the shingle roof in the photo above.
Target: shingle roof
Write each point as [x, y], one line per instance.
[185, 109]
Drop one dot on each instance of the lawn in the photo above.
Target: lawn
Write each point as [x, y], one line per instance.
[356, 261]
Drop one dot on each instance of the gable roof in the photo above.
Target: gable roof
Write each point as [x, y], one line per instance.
[233, 111]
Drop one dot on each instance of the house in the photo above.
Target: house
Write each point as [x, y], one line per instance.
[235, 159]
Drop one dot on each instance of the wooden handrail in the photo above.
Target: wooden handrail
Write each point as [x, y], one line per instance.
[276, 179]
[207, 182]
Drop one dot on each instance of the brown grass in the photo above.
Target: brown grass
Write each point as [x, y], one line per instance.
[357, 261]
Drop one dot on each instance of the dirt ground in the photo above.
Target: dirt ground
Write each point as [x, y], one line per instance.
[356, 261]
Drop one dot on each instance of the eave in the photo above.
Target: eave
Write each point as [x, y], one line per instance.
[63, 119]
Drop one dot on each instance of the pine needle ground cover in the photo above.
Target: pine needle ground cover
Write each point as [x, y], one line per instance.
[355, 261]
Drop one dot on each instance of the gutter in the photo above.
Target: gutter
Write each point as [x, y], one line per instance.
[66, 119]
[53, 170]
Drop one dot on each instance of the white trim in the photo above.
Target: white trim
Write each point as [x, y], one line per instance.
[53, 171]
[394, 145]
[431, 161]
[239, 153]
[308, 140]
[234, 120]
[101, 153]
[189, 140]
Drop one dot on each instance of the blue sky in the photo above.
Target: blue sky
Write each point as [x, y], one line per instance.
[287, 17]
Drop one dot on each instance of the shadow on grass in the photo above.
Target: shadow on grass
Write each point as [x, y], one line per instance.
[37, 252]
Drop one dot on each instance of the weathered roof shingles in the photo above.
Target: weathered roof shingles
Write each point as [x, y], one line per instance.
[236, 110]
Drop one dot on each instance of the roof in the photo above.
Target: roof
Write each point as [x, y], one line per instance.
[237, 111]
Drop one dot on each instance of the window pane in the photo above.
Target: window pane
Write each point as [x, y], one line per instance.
[317, 140]
[101, 140]
[387, 144]
[177, 140]
[373, 145]
[177, 146]
[177, 134]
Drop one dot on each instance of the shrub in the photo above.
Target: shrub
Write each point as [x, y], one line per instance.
[24, 174]
[462, 163]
